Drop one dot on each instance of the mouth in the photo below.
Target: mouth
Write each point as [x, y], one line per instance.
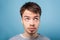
[32, 29]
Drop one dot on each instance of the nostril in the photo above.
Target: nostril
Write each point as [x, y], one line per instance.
[32, 25]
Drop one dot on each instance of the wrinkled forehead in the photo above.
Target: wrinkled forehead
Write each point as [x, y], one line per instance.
[28, 13]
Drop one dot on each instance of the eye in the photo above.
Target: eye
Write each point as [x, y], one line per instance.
[27, 19]
[36, 18]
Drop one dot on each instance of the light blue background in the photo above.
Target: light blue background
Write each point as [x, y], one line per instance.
[10, 20]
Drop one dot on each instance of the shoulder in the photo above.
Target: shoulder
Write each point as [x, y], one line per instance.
[15, 37]
[46, 38]
[41, 37]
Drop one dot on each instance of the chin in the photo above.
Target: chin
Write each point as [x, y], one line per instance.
[32, 32]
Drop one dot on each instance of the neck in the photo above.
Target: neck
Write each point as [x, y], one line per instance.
[30, 35]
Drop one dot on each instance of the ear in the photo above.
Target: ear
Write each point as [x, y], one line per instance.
[21, 21]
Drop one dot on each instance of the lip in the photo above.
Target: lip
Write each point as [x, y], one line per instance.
[32, 28]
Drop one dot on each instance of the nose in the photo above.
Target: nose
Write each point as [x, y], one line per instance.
[31, 22]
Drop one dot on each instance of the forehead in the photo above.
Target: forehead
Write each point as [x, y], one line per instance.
[30, 14]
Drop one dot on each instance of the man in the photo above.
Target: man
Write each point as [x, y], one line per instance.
[30, 14]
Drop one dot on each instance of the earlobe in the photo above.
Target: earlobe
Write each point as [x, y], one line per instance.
[21, 21]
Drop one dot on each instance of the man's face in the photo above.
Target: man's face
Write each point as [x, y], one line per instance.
[30, 21]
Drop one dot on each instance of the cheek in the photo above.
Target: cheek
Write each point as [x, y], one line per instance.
[26, 24]
[37, 24]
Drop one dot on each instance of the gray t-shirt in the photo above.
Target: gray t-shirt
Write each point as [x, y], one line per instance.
[21, 37]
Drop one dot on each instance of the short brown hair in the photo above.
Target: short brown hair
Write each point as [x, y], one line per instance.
[31, 6]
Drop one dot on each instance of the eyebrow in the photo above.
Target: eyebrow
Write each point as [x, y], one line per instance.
[36, 16]
[26, 16]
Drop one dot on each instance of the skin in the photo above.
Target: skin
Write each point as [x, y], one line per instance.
[30, 20]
